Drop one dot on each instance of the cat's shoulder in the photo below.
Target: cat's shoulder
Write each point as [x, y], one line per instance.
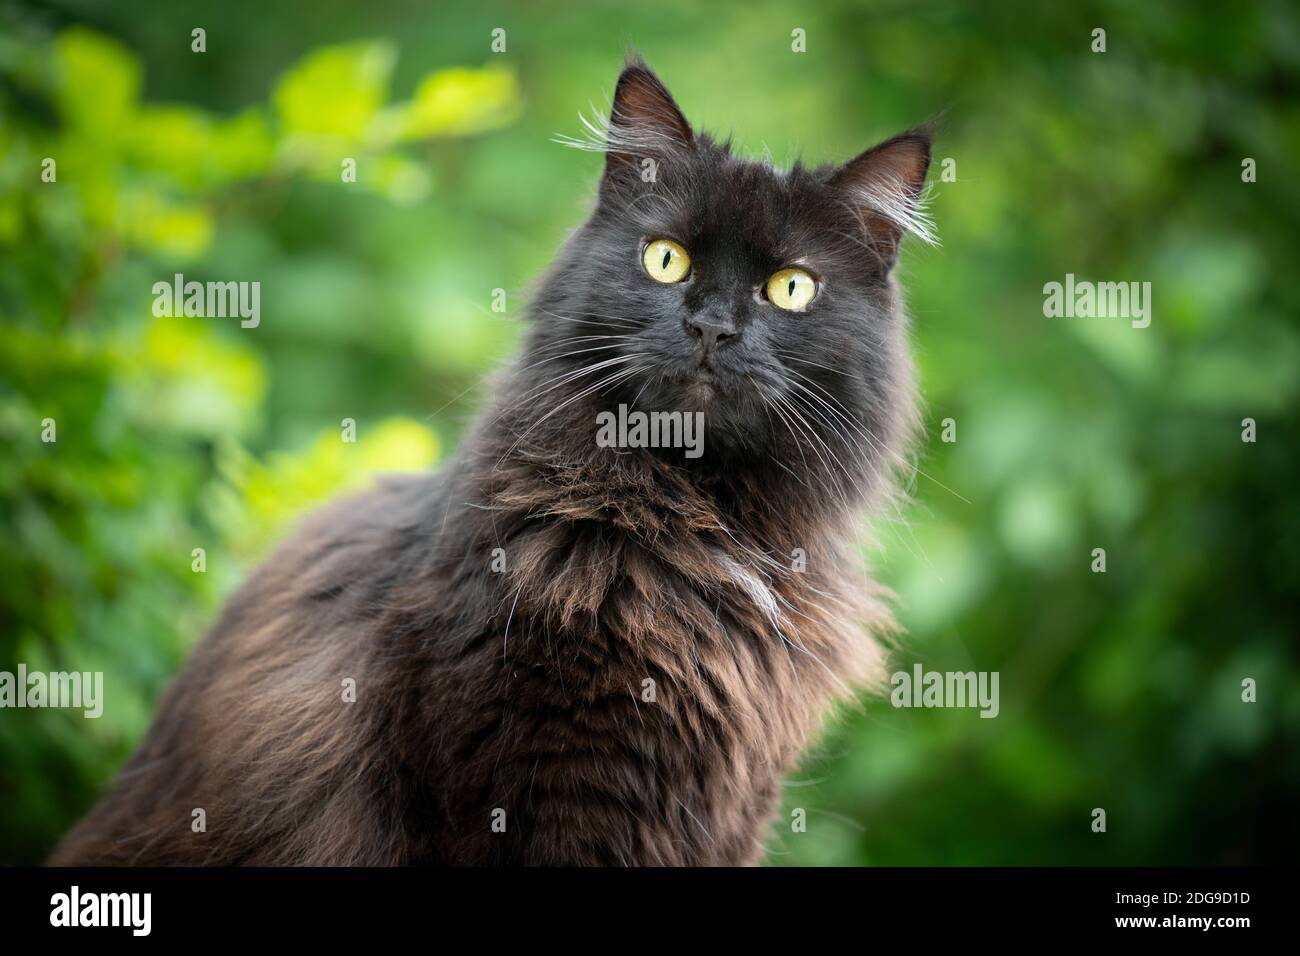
[342, 559]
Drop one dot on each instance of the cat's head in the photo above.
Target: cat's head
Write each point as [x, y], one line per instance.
[762, 298]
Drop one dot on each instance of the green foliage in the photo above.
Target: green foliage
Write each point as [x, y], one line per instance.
[1119, 690]
[161, 424]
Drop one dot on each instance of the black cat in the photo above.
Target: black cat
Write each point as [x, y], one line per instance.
[563, 651]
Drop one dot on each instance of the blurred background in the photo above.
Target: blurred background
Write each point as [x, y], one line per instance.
[1120, 691]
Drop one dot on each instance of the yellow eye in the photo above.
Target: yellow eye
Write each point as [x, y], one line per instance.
[666, 261]
[791, 289]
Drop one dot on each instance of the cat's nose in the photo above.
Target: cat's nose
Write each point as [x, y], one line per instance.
[710, 329]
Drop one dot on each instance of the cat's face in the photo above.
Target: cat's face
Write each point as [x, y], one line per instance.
[760, 297]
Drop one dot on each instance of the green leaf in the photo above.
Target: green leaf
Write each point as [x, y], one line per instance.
[462, 101]
[335, 91]
[99, 81]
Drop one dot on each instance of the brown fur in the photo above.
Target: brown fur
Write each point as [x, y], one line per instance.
[524, 691]
[540, 713]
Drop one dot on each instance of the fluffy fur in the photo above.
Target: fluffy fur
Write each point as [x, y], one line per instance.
[521, 696]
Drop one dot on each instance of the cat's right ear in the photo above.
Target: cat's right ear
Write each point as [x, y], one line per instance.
[644, 123]
[886, 187]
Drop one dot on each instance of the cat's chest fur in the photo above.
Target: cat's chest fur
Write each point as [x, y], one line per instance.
[643, 675]
[627, 685]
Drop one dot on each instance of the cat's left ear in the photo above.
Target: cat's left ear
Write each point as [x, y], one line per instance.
[886, 186]
[644, 123]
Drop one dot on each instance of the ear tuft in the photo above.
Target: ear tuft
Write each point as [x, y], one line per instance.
[643, 107]
[887, 185]
[644, 122]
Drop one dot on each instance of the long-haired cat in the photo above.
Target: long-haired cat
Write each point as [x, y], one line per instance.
[560, 650]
